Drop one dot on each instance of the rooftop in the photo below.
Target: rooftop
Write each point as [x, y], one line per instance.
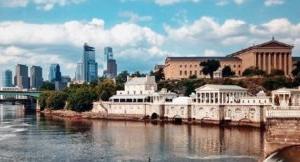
[202, 58]
[215, 87]
[272, 43]
[140, 80]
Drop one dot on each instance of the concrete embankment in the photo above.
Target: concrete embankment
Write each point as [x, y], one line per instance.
[98, 116]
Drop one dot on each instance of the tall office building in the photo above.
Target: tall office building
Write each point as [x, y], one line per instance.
[21, 78]
[87, 70]
[7, 78]
[54, 73]
[111, 64]
[36, 77]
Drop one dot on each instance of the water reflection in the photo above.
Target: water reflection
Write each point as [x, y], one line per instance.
[55, 139]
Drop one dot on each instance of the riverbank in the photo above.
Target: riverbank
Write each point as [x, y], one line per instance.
[68, 114]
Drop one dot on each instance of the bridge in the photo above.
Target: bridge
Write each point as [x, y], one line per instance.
[27, 98]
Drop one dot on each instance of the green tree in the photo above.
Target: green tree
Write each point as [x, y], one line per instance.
[106, 89]
[121, 79]
[272, 83]
[56, 100]
[47, 86]
[159, 74]
[137, 74]
[296, 71]
[227, 72]
[253, 71]
[209, 67]
[43, 100]
[81, 99]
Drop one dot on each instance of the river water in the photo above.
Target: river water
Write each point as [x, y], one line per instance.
[31, 137]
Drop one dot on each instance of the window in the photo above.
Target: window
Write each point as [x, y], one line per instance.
[195, 66]
[185, 66]
[180, 66]
[191, 66]
[195, 72]
[191, 73]
[180, 72]
[233, 66]
[185, 72]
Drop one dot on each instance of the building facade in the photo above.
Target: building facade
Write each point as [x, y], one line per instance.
[36, 77]
[54, 73]
[268, 56]
[111, 64]
[186, 67]
[7, 78]
[215, 104]
[21, 77]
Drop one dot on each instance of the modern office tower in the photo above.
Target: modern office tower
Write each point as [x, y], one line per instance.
[54, 73]
[21, 78]
[36, 77]
[90, 66]
[79, 72]
[111, 64]
[7, 78]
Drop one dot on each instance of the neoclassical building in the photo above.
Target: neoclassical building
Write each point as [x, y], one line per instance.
[265, 56]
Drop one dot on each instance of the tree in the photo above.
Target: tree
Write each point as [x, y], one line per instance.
[159, 74]
[56, 100]
[209, 67]
[296, 71]
[253, 71]
[227, 72]
[121, 79]
[106, 89]
[81, 99]
[47, 86]
[137, 74]
[276, 72]
[43, 100]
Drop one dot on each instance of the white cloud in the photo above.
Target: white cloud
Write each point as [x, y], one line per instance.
[273, 2]
[171, 2]
[134, 17]
[45, 5]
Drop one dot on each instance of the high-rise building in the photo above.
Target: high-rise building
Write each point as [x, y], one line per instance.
[36, 77]
[21, 78]
[87, 70]
[79, 72]
[54, 73]
[111, 64]
[7, 78]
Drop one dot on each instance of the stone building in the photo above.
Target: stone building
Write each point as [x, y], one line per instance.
[266, 56]
[211, 104]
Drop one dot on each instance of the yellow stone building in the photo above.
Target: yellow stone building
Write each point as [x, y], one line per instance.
[266, 56]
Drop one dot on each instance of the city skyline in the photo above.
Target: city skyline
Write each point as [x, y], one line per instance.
[176, 28]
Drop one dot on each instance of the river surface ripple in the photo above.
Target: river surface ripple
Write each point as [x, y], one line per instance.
[31, 137]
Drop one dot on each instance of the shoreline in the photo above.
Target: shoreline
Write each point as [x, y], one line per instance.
[68, 114]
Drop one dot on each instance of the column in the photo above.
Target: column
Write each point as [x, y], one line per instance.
[284, 63]
[269, 63]
[277, 60]
[290, 65]
[272, 61]
[265, 62]
[257, 60]
[261, 61]
[280, 62]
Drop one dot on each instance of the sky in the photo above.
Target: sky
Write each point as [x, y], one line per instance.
[142, 33]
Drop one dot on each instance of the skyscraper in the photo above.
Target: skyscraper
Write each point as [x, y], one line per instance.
[111, 64]
[21, 78]
[36, 77]
[54, 73]
[7, 78]
[88, 68]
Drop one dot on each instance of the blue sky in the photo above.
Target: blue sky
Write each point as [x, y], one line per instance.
[142, 32]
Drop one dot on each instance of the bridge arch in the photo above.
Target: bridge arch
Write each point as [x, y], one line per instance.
[285, 153]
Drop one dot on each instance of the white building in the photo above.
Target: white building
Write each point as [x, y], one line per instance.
[210, 104]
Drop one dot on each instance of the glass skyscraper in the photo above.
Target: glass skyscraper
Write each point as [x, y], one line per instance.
[87, 70]
[54, 73]
[7, 78]
[36, 77]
